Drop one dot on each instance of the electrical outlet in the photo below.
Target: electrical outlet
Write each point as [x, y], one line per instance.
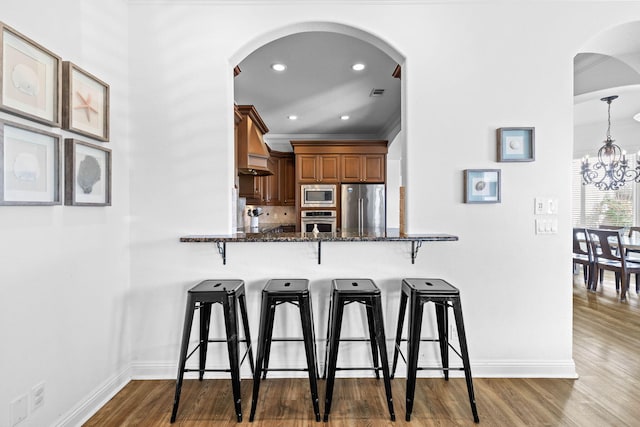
[37, 396]
[18, 410]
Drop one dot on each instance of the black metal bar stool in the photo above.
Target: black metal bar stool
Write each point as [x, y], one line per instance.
[276, 292]
[344, 292]
[229, 293]
[443, 295]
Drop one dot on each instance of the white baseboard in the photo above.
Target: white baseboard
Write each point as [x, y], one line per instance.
[96, 400]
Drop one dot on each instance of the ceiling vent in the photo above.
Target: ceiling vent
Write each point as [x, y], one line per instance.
[376, 92]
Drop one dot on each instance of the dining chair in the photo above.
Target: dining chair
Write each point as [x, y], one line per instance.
[633, 255]
[619, 228]
[606, 247]
[582, 253]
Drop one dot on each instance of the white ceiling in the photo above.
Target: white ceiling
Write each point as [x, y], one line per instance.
[608, 65]
[319, 86]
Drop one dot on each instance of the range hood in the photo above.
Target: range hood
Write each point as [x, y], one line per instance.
[252, 153]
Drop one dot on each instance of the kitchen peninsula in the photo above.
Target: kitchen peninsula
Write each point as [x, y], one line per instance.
[269, 236]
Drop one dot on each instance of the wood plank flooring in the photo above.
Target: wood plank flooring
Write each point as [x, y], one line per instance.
[606, 352]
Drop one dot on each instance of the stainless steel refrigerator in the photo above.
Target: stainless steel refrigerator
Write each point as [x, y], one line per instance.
[363, 208]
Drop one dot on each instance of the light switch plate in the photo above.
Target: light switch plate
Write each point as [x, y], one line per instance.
[540, 206]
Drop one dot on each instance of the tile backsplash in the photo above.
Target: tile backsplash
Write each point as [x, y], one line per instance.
[272, 214]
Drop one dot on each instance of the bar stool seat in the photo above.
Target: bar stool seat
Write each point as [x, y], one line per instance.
[229, 293]
[443, 295]
[276, 292]
[344, 292]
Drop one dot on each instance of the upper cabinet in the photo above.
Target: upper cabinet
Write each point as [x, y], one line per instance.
[277, 189]
[340, 161]
[314, 168]
[365, 168]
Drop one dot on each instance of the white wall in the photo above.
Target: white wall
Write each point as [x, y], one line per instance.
[64, 269]
[470, 68]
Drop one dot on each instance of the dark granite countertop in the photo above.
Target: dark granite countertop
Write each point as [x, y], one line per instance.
[265, 235]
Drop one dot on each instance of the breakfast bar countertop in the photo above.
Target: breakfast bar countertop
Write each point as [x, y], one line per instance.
[392, 235]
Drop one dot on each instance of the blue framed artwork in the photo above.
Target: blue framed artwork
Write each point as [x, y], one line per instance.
[516, 144]
[482, 186]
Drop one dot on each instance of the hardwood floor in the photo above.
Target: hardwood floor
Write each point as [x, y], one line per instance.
[606, 349]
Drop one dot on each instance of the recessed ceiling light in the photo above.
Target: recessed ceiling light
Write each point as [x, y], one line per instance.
[345, 117]
[292, 117]
[278, 67]
[637, 117]
[358, 67]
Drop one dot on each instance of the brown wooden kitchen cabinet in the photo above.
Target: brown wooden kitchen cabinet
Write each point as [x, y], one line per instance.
[363, 168]
[251, 187]
[272, 182]
[315, 168]
[271, 190]
[288, 180]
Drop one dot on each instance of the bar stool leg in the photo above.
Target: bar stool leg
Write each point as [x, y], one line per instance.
[264, 313]
[267, 344]
[242, 301]
[442, 318]
[205, 320]
[380, 338]
[415, 328]
[396, 348]
[334, 337]
[231, 326]
[457, 310]
[372, 340]
[327, 342]
[307, 332]
[184, 347]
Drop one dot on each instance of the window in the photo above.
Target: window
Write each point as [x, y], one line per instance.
[593, 207]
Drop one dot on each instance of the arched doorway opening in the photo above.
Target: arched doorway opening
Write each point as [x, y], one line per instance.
[319, 96]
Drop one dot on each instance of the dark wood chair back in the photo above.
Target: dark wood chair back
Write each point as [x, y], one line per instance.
[605, 244]
[633, 231]
[581, 244]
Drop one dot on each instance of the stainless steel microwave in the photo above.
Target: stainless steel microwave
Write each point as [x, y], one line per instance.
[318, 196]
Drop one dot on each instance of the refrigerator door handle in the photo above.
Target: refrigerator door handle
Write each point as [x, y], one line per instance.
[361, 216]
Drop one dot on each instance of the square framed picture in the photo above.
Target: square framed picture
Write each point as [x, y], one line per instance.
[31, 78]
[516, 144]
[87, 174]
[482, 186]
[30, 166]
[85, 103]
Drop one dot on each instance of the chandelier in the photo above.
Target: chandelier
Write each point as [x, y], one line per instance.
[611, 169]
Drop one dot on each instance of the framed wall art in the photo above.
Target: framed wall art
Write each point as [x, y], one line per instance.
[31, 78]
[85, 103]
[87, 174]
[30, 166]
[516, 144]
[482, 186]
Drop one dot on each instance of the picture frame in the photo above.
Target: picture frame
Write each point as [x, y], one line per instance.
[516, 144]
[29, 166]
[482, 186]
[85, 103]
[87, 174]
[30, 78]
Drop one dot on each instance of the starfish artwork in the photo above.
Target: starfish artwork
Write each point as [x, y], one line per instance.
[85, 104]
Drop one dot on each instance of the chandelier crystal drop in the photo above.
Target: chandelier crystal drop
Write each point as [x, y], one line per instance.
[610, 170]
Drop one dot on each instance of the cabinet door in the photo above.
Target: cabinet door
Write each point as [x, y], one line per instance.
[287, 181]
[307, 165]
[373, 169]
[351, 167]
[251, 187]
[272, 183]
[329, 168]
